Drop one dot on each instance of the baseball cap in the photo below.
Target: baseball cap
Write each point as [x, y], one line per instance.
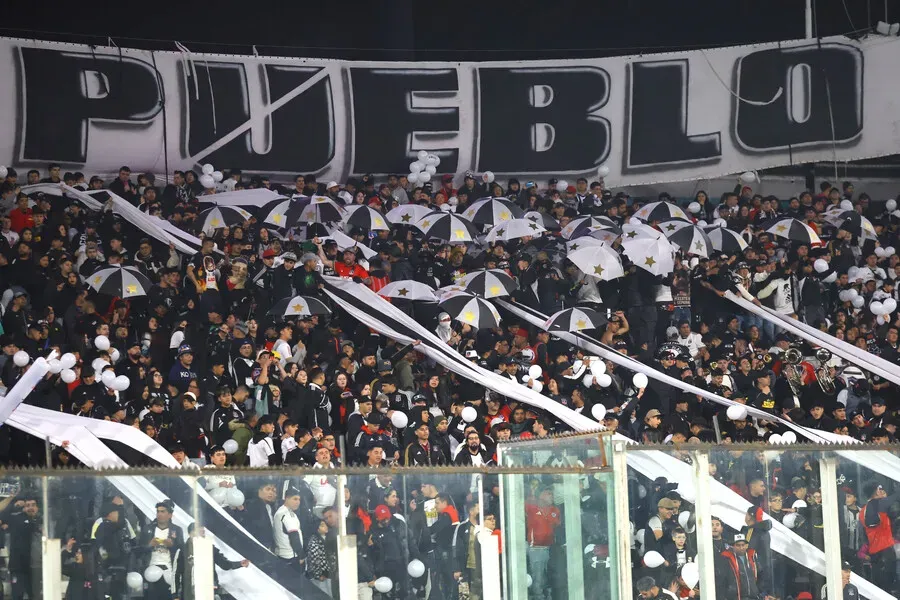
[447, 178]
[185, 349]
[666, 503]
[332, 184]
[739, 537]
[269, 253]
[289, 256]
[652, 413]
[798, 482]
[382, 512]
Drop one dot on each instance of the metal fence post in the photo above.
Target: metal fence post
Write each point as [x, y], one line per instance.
[703, 518]
[623, 519]
[828, 477]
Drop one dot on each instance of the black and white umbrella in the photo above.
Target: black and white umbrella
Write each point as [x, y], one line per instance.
[852, 221]
[547, 221]
[299, 306]
[366, 217]
[124, 282]
[408, 214]
[576, 226]
[725, 240]
[575, 319]
[322, 209]
[283, 213]
[607, 236]
[447, 227]
[688, 237]
[408, 289]
[221, 216]
[514, 229]
[492, 211]
[636, 230]
[472, 310]
[661, 211]
[792, 229]
[585, 242]
[599, 261]
[653, 255]
[488, 283]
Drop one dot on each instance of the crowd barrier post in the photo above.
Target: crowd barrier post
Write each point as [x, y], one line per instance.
[703, 520]
[828, 477]
[622, 531]
[203, 568]
[515, 544]
[51, 569]
[574, 543]
[347, 570]
[490, 565]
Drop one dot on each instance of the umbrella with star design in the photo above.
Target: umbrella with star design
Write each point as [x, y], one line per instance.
[637, 230]
[606, 236]
[661, 211]
[576, 226]
[492, 211]
[218, 217]
[488, 283]
[575, 319]
[586, 242]
[285, 212]
[408, 214]
[447, 227]
[514, 229]
[792, 229]
[299, 306]
[470, 309]
[687, 236]
[656, 256]
[726, 240]
[852, 221]
[408, 289]
[547, 221]
[598, 261]
[366, 218]
[322, 209]
[124, 282]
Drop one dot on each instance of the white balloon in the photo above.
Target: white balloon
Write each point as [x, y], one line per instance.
[775, 439]
[135, 581]
[748, 176]
[122, 383]
[98, 363]
[208, 169]
[114, 355]
[537, 386]
[528, 579]
[842, 397]
[694, 208]
[561, 185]
[640, 381]
[109, 378]
[598, 411]
[720, 222]
[422, 155]
[415, 166]
[433, 159]
[852, 293]
[653, 559]
[55, 366]
[3, 172]
[207, 182]
[603, 171]
[413, 177]
[736, 412]
[220, 495]
[67, 375]
[526, 378]
[235, 497]
[879, 252]
[430, 169]
[846, 205]
[153, 574]
[488, 177]
[880, 319]
[67, 360]
[876, 307]
[890, 204]
[690, 574]
[416, 568]
[101, 342]
[842, 296]
[168, 576]
[229, 184]
[889, 306]
[604, 380]
[598, 368]
[821, 265]
[789, 437]
[424, 177]
[469, 414]
[21, 358]
[852, 272]
[218, 176]
[701, 223]
[889, 251]
[399, 419]
[831, 277]
[790, 520]
[384, 584]
[858, 302]
[588, 380]
[535, 371]
[800, 504]
[230, 446]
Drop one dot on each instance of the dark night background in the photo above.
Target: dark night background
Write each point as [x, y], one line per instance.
[436, 30]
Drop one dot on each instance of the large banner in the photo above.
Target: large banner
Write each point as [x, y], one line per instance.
[648, 118]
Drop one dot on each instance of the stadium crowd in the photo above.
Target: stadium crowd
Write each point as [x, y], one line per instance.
[222, 374]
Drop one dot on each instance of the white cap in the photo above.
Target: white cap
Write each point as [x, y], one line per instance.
[332, 184]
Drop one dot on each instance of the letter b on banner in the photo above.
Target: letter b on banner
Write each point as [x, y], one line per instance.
[67, 92]
[540, 120]
[813, 87]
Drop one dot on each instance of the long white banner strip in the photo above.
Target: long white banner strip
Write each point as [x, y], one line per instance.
[256, 197]
[26, 383]
[845, 351]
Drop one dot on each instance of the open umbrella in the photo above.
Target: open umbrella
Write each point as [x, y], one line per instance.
[636, 229]
[344, 241]
[585, 241]
[661, 211]
[514, 229]
[725, 240]
[548, 222]
[221, 216]
[601, 262]
[852, 221]
[575, 319]
[488, 283]
[366, 217]
[283, 213]
[299, 306]
[687, 236]
[475, 311]
[447, 227]
[124, 282]
[492, 211]
[576, 225]
[792, 229]
[408, 289]
[652, 255]
[606, 236]
[322, 209]
[408, 214]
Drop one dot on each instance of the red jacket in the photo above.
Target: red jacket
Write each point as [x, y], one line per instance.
[540, 524]
[881, 536]
[731, 559]
[19, 219]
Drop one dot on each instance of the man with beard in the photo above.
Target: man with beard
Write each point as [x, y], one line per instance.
[25, 532]
[473, 454]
